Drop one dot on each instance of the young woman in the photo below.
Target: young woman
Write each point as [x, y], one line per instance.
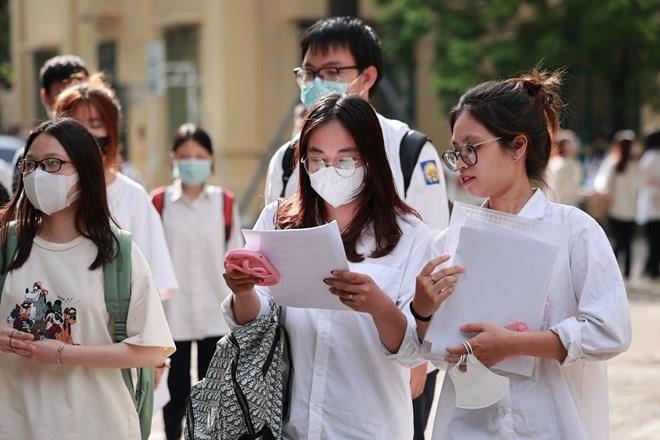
[344, 385]
[95, 106]
[619, 179]
[501, 135]
[60, 371]
[196, 229]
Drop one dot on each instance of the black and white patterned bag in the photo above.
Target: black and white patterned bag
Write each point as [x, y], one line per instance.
[246, 392]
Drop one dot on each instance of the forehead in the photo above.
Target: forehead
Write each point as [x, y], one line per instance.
[338, 54]
[86, 110]
[468, 129]
[330, 138]
[46, 145]
[191, 146]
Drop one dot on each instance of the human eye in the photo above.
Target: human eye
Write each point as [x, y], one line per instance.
[308, 75]
[346, 163]
[330, 73]
[51, 164]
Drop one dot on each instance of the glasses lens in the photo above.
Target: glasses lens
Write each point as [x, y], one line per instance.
[450, 160]
[469, 155]
[313, 165]
[52, 165]
[330, 74]
[25, 166]
[345, 166]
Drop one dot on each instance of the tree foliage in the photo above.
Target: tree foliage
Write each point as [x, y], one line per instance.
[610, 48]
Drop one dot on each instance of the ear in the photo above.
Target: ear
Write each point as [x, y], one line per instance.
[44, 99]
[368, 79]
[519, 145]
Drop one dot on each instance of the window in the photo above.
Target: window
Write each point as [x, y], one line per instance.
[181, 54]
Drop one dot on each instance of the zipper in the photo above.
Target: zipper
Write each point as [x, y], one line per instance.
[240, 397]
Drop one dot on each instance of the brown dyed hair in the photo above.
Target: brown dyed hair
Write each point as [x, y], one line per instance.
[529, 105]
[97, 93]
[92, 216]
[379, 207]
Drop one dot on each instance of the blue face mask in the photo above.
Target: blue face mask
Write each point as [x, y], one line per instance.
[313, 91]
[192, 171]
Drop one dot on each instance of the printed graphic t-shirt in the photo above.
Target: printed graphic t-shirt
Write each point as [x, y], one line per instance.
[55, 296]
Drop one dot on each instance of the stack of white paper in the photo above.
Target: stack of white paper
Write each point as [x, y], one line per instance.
[303, 258]
[506, 277]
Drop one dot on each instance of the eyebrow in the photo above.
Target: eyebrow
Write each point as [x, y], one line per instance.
[328, 64]
[469, 139]
[341, 150]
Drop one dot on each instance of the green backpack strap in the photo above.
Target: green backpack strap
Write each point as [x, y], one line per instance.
[117, 286]
[12, 242]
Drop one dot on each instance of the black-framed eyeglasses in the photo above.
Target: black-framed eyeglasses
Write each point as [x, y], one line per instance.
[49, 165]
[330, 73]
[467, 153]
[345, 166]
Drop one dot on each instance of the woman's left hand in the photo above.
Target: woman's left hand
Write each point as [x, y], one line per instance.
[46, 350]
[491, 345]
[358, 291]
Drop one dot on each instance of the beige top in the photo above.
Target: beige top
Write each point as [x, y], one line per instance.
[54, 295]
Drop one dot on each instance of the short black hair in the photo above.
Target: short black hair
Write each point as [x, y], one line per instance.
[653, 141]
[189, 131]
[61, 68]
[350, 33]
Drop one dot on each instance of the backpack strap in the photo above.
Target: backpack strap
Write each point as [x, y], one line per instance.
[288, 165]
[158, 199]
[228, 210]
[12, 243]
[409, 150]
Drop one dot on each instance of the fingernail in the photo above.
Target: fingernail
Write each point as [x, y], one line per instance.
[326, 280]
[334, 272]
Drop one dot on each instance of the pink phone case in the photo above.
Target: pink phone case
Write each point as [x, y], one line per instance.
[252, 263]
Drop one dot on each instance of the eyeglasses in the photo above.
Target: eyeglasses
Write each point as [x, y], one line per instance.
[467, 153]
[305, 74]
[49, 165]
[344, 166]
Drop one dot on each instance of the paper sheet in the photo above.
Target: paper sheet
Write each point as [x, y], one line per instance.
[303, 258]
[505, 280]
[162, 392]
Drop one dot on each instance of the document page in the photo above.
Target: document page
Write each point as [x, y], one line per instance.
[303, 258]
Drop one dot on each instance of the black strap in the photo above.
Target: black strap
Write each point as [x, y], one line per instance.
[288, 165]
[409, 150]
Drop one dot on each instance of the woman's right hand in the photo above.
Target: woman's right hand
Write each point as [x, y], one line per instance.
[14, 341]
[433, 288]
[239, 282]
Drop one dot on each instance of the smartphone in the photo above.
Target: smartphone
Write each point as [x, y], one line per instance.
[252, 263]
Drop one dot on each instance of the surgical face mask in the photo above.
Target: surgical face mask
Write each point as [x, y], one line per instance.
[335, 189]
[192, 172]
[476, 387]
[311, 92]
[102, 141]
[49, 192]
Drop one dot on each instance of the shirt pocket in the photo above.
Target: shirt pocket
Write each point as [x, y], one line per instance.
[388, 278]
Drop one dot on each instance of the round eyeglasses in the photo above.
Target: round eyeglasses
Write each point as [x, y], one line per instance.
[344, 166]
[467, 153]
[49, 165]
[330, 73]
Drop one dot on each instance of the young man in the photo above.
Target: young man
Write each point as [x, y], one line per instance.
[57, 73]
[343, 55]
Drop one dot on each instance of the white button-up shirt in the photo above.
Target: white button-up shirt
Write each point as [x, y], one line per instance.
[427, 192]
[195, 232]
[345, 385]
[588, 309]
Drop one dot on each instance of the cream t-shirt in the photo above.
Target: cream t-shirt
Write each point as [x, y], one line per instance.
[54, 295]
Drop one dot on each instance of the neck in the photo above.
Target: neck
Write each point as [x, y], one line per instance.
[110, 175]
[192, 191]
[513, 199]
[343, 214]
[60, 227]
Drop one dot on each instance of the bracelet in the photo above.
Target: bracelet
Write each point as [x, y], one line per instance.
[60, 349]
[419, 317]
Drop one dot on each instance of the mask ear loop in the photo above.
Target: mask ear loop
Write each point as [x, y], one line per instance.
[460, 362]
[470, 352]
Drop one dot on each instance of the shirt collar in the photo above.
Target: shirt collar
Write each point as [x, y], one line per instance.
[177, 191]
[534, 208]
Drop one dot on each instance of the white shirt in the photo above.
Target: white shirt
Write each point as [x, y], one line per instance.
[345, 386]
[131, 207]
[65, 301]
[648, 207]
[195, 231]
[588, 309]
[564, 177]
[622, 187]
[427, 192]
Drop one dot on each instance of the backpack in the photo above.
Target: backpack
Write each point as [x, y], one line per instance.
[117, 288]
[158, 200]
[409, 150]
[247, 389]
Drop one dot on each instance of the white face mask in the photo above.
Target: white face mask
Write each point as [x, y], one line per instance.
[477, 387]
[49, 192]
[335, 189]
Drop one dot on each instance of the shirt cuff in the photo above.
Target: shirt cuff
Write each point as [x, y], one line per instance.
[409, 353]
[570, 335]
[228, 312]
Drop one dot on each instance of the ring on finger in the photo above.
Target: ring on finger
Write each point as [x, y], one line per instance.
[350, 297]
[11, 338]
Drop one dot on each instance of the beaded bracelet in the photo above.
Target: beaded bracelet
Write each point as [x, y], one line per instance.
[60, 349]
[419, 317]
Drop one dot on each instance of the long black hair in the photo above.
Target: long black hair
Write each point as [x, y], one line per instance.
[92, 216]
[379, 206]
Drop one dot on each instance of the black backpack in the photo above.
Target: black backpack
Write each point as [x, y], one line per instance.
[409, 150]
